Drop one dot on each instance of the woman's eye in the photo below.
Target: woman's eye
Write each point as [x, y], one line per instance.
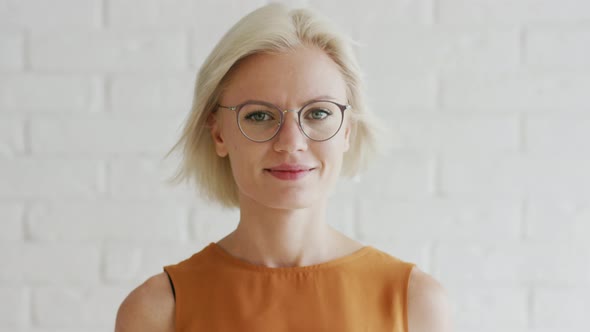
[318, 114]
[258, 116]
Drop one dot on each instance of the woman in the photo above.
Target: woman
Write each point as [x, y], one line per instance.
[278, 113]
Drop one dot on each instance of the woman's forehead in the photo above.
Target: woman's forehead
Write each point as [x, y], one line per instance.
[291, 77]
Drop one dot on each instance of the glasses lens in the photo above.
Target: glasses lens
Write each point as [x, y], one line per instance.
[321, 120]
[259, 122]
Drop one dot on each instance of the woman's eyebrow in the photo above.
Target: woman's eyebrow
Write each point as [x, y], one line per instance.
[322, 97]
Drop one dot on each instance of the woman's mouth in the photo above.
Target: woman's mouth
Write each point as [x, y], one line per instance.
[289, 174]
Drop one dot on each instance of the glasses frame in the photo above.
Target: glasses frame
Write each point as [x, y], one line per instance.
[238, 108]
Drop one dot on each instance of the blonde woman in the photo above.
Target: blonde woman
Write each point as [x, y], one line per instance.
[278, 115]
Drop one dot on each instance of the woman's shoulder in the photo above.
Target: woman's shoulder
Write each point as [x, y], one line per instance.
[149, 307]
[428, 304]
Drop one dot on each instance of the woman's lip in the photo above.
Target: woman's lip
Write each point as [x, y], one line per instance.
[289, 175]
[290, 167]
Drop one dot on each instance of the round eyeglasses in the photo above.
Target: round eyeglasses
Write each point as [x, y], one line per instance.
[260, 121]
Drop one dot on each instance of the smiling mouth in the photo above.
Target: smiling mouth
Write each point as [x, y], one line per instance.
[288, 170]
[289, 174]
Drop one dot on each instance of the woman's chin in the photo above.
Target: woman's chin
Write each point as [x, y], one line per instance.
[283, 201]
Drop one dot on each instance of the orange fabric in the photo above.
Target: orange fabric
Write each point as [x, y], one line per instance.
[364, 291]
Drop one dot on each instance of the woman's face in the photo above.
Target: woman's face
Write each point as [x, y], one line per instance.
[289, 81]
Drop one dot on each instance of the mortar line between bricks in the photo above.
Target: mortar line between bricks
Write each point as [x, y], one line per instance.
[27, 50]
[357, 217]
[107, 102]
[438, 100]
[27, 136]
[185, 225]
[529, 306]
[436, 176]
[189, 48]
[23, 220]
[26, 218]
[522, 119]
[103, 175]
[33, 315]
[435, 13]
[29, 306]
[102, 247]
[522, 36]
[431, 258]
[104, 7]
[524, 230]
[191, 235]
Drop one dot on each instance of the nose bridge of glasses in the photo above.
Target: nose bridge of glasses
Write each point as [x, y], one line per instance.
[295, 119]
[290, 135]
[294, 111]
[295, 114]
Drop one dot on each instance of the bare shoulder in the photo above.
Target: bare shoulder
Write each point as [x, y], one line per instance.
[428, 304]
[149, 307]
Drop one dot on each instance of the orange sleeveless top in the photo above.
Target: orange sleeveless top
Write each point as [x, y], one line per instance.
[363, 291]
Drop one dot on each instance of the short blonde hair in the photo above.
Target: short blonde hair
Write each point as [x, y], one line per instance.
[272, 28]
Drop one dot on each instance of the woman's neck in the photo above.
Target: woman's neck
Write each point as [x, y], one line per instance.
[286, 238]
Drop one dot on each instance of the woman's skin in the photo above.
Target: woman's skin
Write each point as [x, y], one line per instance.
[282, 222]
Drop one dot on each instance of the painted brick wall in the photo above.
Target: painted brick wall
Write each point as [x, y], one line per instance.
[487, 185]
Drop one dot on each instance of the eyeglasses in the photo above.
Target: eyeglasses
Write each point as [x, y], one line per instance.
[260, 121]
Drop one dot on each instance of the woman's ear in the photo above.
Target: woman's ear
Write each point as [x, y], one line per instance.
[214, 125]
[347, 130]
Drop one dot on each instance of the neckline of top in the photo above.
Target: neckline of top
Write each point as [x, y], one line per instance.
[217, 249]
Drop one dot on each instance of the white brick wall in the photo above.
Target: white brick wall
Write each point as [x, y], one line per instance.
[12, 56]
[486, 186]
[35, 92]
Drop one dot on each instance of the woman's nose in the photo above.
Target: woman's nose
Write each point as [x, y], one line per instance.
[290, 138]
